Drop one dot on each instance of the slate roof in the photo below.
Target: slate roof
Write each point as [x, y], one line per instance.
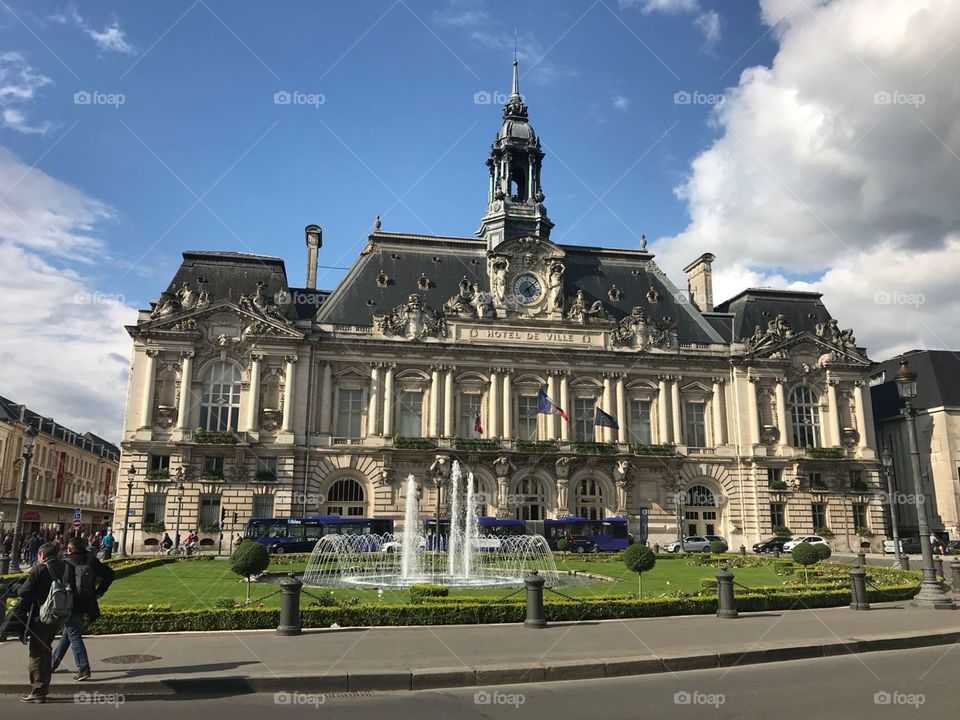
[444, 261]
[938, 381]
[758, 306]
[12, 412]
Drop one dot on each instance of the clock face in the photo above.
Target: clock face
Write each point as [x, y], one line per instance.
[527, 288]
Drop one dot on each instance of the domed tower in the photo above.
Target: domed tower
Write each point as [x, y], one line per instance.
[515, 198]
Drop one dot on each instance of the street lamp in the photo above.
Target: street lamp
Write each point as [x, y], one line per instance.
[29, 440]
[131, 473]
[179, 506]
[887, 458]
[931, 595]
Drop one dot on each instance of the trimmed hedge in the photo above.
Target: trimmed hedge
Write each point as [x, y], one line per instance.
[419, 593]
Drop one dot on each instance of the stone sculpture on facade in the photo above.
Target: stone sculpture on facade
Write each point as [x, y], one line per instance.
[555, 287]
[412, 320]
[482, 302]
[498, 280]
[635, 331]
[460, 304]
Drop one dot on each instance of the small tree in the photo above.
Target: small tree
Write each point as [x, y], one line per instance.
[717, 547]
[248, 559]
[823, 551]
[563, 544]
[805, 554]
[639, 559]
[782, 531]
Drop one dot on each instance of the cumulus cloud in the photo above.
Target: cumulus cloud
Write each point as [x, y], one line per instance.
[19, 83]
[840, 162]
[63, 350]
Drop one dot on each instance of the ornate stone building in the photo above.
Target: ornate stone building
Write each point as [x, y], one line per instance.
[277, 400]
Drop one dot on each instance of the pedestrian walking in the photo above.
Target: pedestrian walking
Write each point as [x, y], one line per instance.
[107, 543]
[33, 547]
[91, 580]
[166, 543]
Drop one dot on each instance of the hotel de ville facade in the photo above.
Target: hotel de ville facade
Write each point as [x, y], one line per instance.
[251, 397]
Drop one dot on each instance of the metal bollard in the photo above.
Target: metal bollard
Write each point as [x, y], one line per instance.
[535, 615]
[743, 550]
[5, 565]
[858, 589]
[938, 566]
[861, 559]
[955, 574]
[776, 553]
[904, 562]
[726, 605]
[290, 588]
[656, 548]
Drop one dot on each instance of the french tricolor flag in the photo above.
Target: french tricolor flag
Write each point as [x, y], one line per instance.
[546, 406]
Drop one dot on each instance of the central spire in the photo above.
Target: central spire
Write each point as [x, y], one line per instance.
[516, 79]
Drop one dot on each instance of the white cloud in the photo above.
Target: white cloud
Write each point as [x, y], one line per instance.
[620, 102]
[461, 13]
[709, 25]
[112, 38]
[707, 21]
[63, 349]
[840, 161]
[19, 83]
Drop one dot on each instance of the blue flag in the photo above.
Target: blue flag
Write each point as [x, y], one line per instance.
[602, 419]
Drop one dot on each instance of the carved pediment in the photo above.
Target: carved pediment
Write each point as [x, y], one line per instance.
[806, 350]
[223, 318]
[412, 320]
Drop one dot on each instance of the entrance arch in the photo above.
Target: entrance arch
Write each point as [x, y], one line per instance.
[702, 514]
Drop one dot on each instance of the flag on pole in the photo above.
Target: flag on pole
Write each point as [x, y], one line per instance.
[602, 419]
[546, 406]
[477, 427]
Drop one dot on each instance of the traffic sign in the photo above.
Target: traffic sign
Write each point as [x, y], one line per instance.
[76, 514]
[76, 523]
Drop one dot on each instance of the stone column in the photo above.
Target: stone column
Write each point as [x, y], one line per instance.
[862, 398]
[717, 412]
[373, 407]
[289, 392]
[186, 389]
[663, 417]
[622, 436]
[493, 405]
[434, 424]
[149, 387]
[565, 404]
[833, 411]
[388, 401]
[507, 405]
[551, 420]
[752, 410]
[253, 400]
[781, 400]
[676, 410]
[448, 404]
[326, 399]
[607, 435]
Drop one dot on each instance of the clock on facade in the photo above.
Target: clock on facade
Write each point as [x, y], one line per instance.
[527, 288]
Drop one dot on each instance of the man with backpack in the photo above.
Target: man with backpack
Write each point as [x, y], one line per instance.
[91, 580]
[47, 590]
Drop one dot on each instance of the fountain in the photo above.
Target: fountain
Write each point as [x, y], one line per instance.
[464, 558]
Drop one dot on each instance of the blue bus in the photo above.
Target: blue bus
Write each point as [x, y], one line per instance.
[607, 534]
[296, 535]
[487, 526]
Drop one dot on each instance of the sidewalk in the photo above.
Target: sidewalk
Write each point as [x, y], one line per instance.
[354, 659]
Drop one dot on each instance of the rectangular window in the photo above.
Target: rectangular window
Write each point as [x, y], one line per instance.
[856, 480]
[695, 430]
[411, 414]
[209, 510]
[266, 469]
[777, 515]
[860, 517]
[159, 466]
[469, 409]
[818, 512]
[349, 413]
[213, 467]
[774, 477]
[639, 424]
[816, 481]
[263, 506]
[527, 417]
[154, 507]
[583, 414]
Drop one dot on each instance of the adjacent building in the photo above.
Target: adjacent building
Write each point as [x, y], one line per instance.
[250, 396]
[68, 471]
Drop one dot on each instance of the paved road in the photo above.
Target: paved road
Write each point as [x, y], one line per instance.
[918, 683]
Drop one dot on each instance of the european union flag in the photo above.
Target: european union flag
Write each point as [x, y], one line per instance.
[602, 419]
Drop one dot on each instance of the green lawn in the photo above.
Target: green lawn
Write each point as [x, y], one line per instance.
[200, 584]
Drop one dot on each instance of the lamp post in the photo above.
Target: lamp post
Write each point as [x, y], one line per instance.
[931, 595]
[131, 473]
[179, 507]
[4, 558]
[29, 440]
[887, 458]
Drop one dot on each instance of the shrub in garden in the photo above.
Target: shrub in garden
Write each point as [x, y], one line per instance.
[639, 559]
[420, 592]
[717, 547]
[563, 544]
[805, 554]
[708, 586]
[782, 531]
[250, 558]
[823, 551]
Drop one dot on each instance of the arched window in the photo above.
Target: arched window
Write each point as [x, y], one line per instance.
[700, 511]
[700, 496]
[345, 498]
[530, 499]
[590, 499]
[220, 402]
[805, 417]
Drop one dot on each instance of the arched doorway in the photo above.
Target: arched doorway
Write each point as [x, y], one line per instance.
[530, 499]
[589, 499]
[345, 498]
[701, 513]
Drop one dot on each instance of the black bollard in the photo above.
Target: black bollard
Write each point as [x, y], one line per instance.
[904, 562]
[776, 553]
[955, 574]
[938, 566]
[858, 589]
[290, 588]
[535, 615]
[5, 565]
[656, 548]
[726, 606]
[861, 559]
[743, 550]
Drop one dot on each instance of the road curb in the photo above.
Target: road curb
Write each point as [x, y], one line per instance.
[490, 675]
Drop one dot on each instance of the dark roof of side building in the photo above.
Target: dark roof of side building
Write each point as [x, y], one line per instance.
[938, 381]
[11, 412]
[758, 306]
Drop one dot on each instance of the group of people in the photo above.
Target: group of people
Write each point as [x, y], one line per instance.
[99, 543]
[61, 590]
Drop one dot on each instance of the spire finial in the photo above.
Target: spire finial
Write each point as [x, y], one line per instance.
[515, 92]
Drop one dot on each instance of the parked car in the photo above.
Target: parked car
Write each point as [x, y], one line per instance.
[770, 544]
[812, 539]
[716, 538]
[693, 543]
[907, 546]
[580, 544]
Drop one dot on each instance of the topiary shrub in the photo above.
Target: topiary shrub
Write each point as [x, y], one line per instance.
[782, 531]
[805, 554]
[639, 559]
[717, 547]
[782, 567]
[248, 559]
[563, 544]
[418, 593]
[823, 552]
[708, 586]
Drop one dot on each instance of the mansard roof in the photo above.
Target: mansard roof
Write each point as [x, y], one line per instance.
[444, 261]
[758, 306]
[938, 381]
[12, 412]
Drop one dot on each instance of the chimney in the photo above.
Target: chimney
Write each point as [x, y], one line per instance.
[700, 282]
[314, 239]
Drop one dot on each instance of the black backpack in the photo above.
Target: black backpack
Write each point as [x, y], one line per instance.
[85, 581]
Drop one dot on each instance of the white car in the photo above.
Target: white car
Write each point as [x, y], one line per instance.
[812, 539]
[693, 543]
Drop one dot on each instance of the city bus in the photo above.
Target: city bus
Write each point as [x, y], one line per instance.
[607, 534]
[300, 535]
[487, 527]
